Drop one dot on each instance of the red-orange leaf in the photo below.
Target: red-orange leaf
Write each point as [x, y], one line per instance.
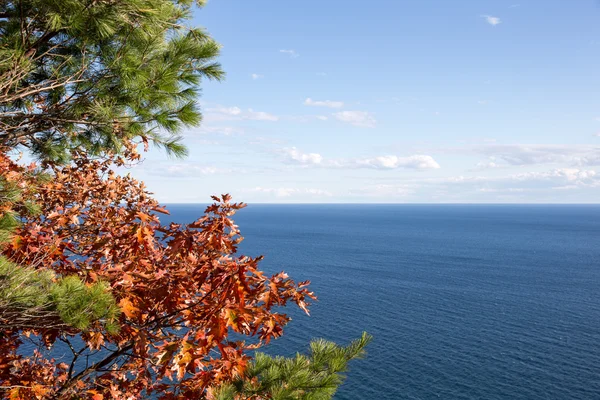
[128, 308]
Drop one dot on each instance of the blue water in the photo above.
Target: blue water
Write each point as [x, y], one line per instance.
[464, 301]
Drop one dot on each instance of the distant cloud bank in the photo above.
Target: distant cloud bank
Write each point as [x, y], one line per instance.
[292, 155]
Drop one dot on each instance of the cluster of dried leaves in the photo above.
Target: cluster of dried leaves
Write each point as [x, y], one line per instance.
[182, 290]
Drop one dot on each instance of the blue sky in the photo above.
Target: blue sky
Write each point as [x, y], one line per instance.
[427, 101]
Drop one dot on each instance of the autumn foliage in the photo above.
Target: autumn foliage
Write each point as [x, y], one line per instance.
[182, 290]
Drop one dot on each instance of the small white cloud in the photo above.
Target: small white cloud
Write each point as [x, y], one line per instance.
[385, 191]
[417, 161]
[225, 110]
[291, 53]
[257, 76]
[482, 102]
[322, 117]
[260, 115]
[357, 118]
[492, 20]
[236, 113]
[187, 170]
[465, 179]
[597, 134]
[487, 165]
[566, 187]
[293, 155]
[323, 103]
[289, 192]
[506, 190]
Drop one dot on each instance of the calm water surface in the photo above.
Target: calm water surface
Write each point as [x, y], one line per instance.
[464, 301]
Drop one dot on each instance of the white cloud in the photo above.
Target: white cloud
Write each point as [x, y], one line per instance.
[417, 161]
[260, 115]
[597, 134]
[506, 190]
[189, 170]
[532, 154]
[487, 165]
[235, 113]
[257, 76]
[357, 118]
[293, 155]
[492, 20]
[385, 191]
[322, 117]
[525, 182]
[572, 175]
[225, 110]
[291, 53]
[323, 103]
[283, 192]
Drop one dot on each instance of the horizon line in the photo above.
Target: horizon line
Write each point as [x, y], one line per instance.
[419, 204]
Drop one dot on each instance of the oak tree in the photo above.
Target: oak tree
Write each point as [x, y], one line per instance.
[182, 291]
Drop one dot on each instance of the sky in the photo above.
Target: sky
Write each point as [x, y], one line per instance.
[387, 101]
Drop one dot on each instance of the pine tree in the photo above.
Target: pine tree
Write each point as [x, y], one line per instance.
[89, 74]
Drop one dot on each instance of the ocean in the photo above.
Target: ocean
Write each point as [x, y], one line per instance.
[463, 301]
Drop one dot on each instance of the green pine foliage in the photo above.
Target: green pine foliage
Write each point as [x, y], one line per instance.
[315, 376]
[78, 305]
[12, 205]
[90, 74]
[32, 298]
